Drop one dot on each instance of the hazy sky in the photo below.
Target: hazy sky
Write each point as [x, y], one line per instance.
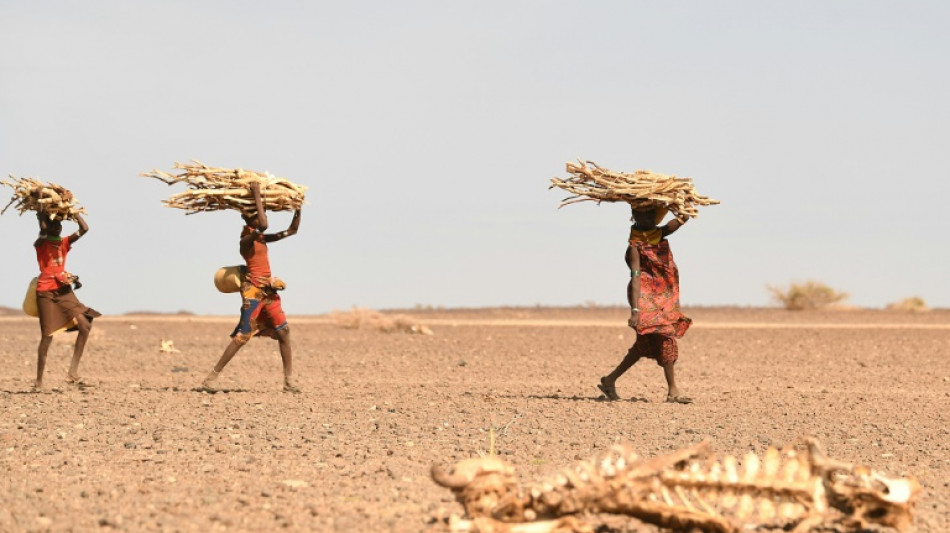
[427, 133]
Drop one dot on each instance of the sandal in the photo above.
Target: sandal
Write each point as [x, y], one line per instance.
[610, 391]
[79, 382]
[207, 385]
[678, 399]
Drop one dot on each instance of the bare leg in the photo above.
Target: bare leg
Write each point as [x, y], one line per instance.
[628, 361]
[226, 357]
[283, 341]
[673, 395]
[669, 372]
[41, 353]
[608, 383]
[84, 327]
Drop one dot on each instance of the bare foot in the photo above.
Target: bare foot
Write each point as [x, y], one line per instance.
[290, 386]
[37, 386]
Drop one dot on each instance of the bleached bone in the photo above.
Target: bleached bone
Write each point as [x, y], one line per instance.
[798, 487]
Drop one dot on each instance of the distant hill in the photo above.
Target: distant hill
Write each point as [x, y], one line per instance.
[9, 311]
[183, 312]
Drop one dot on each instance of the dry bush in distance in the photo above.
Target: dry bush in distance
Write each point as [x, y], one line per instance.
[808, 295]
[361, 318]
[914, 304]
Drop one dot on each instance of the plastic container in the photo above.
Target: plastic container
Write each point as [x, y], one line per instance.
[229, 279]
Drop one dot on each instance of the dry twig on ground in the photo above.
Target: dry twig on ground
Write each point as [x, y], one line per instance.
[641, 189]
[214, 189]
[31, 194]
[359, 318]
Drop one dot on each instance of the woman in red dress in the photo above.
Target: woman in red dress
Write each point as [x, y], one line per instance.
[59, 309]
[261, 312]
[654, 297]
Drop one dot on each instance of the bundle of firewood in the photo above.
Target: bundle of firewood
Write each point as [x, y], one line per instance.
[641, 189]
[213, 189]
[31, 194]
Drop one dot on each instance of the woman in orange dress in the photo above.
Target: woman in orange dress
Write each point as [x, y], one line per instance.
[261, 311]
[654, 297]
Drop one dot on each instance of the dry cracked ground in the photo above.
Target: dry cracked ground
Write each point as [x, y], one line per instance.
[144, 451]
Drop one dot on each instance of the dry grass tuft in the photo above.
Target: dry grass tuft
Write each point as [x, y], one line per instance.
[914, 304]
[361, 318]
[807, 295]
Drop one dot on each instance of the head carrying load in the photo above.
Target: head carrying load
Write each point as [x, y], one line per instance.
[214, 189]
[642, 189]
[31, 194]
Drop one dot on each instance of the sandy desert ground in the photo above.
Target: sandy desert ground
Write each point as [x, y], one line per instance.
[143, 451]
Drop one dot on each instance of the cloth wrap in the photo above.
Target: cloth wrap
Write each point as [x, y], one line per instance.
[660, 320]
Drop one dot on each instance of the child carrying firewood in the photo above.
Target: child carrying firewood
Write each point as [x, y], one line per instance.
[654, 297]
[261, 312]
[59, 309]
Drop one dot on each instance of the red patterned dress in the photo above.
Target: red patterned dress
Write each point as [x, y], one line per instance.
[661, 321]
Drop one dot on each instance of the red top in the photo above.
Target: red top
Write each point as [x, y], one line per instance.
[51, 256]
[255, 255]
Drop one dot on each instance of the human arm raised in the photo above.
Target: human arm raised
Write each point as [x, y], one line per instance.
[291, 230]
[259, 205]
[43, 221]
[83, 229]
[259, 220]
[673, 225]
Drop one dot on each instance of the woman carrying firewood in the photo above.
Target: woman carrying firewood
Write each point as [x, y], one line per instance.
[261, 312]
[59, 309]
[654, 297]
[654, 289]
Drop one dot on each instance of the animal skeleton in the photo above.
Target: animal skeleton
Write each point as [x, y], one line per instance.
[798, 486]
[30, 194]
[641, 189]
[213, 189]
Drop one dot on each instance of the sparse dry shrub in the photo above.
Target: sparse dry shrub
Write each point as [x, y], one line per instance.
[808, 295]
[914, 304]
[361, 318]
